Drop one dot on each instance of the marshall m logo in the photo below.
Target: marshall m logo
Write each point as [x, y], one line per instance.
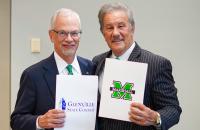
[123, 92]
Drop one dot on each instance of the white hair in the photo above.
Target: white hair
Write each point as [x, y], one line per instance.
[65, 12]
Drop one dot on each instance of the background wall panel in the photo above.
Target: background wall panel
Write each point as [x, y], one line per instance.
[4, 64]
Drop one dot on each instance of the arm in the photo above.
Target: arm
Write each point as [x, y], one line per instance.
[164, 98]
[22, 117]
[25, 113]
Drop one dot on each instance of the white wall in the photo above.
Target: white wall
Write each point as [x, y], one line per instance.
[170, 28]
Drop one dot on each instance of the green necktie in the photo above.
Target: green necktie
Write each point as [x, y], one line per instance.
[117, 58]
[69, 69]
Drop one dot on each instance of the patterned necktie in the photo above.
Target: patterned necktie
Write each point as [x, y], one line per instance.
[69, 69]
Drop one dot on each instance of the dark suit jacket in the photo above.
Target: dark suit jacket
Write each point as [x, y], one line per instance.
[37, 92]
[160, 92]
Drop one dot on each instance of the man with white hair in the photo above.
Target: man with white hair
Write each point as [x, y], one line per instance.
[160, 108]
[35, 103]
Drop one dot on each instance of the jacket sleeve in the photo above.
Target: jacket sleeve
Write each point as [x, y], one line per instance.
[165, 95]
[22, 117]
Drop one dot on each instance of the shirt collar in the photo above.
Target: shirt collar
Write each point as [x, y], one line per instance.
[61, 64]
[126, 55]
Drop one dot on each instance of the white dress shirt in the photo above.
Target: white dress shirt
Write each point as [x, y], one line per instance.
[125, 57]
[61, 65]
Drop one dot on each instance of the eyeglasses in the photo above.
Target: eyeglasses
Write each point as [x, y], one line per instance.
[62, 34]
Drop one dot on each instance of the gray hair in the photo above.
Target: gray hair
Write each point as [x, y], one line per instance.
[107, 8]
[65, 12]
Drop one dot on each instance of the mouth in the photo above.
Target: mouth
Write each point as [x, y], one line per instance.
[68, 46]
[117, 41]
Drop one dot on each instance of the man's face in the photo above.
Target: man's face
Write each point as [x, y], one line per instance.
[117, 31]
[65, 35]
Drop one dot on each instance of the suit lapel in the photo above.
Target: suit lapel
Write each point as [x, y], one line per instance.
[135, 53]
[50, 74]
[133, 57]
[101, 63]
[83, 66]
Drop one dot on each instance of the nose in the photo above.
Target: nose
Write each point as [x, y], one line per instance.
[116, 32]
[68, 37]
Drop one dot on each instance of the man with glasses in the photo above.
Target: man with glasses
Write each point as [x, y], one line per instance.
[35, 103]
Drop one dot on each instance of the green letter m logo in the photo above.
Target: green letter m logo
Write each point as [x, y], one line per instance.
[122, 92]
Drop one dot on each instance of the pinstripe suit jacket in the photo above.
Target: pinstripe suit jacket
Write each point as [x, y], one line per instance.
[160, 92]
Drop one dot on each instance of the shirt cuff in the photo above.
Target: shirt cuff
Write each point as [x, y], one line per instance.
[37, 124]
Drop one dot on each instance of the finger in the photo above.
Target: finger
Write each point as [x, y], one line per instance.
[56, 111]
[142, 117]
[135, 117]
[137, 120]
[54, 125]
[148, 113]
[57, 121]
[58, 115]
[136, 111]
[138, 105]
[58, 125]
[141, 110]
